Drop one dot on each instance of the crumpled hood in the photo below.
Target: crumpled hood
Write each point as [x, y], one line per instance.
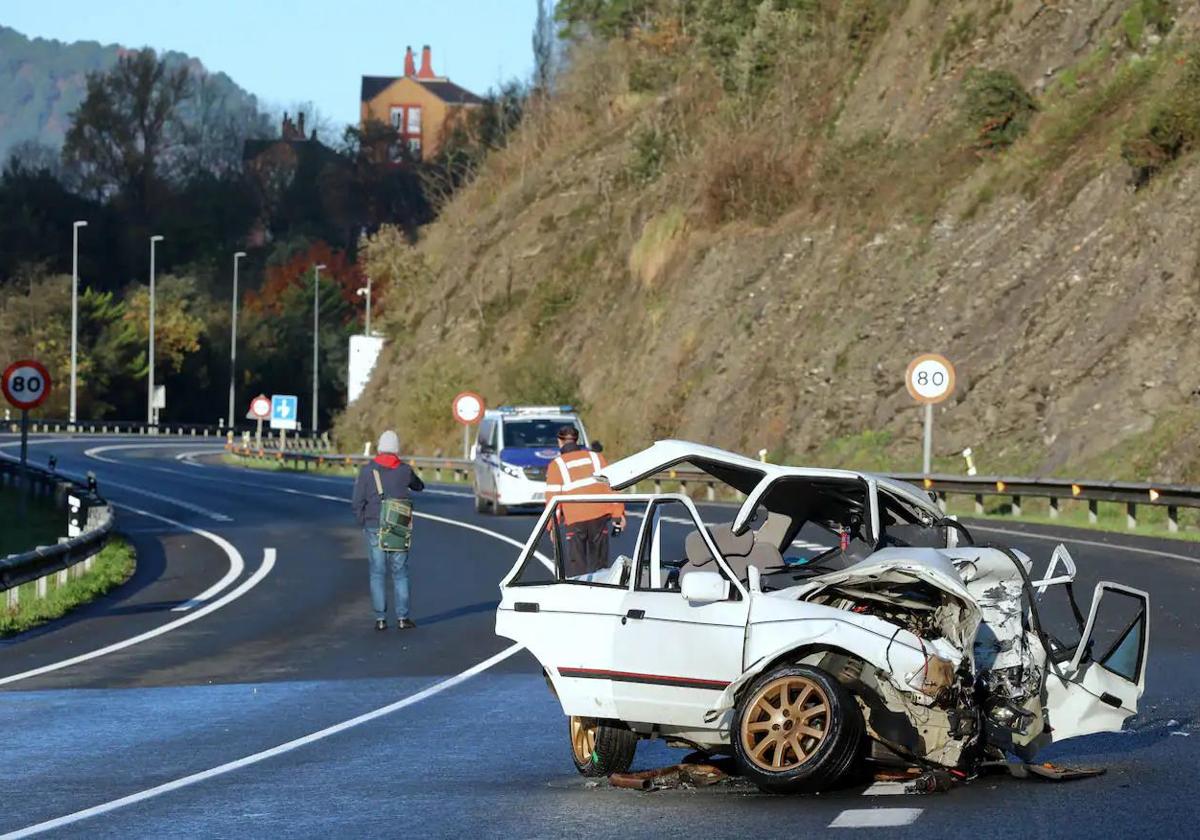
[898, 565]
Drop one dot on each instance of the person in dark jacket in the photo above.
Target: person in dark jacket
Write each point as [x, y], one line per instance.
[399, 482]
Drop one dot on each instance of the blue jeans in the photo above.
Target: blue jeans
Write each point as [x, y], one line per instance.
[379, 560]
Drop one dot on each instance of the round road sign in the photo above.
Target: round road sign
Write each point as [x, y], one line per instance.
[468, 408]
[26, 384]
[260, 407]
[930, 378]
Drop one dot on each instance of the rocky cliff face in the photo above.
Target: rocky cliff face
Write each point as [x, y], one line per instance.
[750, 258]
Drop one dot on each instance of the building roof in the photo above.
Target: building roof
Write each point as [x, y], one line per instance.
[443, 89]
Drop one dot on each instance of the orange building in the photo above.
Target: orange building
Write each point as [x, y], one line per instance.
[420, 106]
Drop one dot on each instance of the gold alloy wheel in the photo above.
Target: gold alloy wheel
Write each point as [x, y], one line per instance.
[785, 724]
[583, 738]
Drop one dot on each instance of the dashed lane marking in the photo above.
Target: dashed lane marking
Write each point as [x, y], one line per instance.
[875, 817]
[228, 767]
[249, 583]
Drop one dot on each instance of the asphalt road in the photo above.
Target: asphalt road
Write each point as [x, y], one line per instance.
[272, 707]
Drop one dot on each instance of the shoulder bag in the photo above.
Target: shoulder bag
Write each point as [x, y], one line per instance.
[395, 520]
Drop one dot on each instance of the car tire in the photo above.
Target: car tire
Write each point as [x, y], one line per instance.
[600, 748]
[797, 729]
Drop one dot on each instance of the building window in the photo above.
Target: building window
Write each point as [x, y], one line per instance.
[414, 119]
[414, 146]
[397, 114]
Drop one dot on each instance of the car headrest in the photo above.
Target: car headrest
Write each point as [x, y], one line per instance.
[727, 543]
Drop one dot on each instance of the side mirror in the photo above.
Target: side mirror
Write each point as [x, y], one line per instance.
[597, 446]
[704, 587]
[474, 451]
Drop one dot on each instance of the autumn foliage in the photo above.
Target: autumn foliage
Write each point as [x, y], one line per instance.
[296, 271]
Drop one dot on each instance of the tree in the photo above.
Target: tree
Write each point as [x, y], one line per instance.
[544, 46]
[124, 138]
[602, 18]
[177, 325]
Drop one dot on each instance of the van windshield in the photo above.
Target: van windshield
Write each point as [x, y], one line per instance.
[534, 432]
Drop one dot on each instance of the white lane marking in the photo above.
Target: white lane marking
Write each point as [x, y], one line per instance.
[236, 567]
[249, 583]
[875, 817]
[180, 503]
[1077, 541]
[885, 789]
[95, 451]
[288, 746]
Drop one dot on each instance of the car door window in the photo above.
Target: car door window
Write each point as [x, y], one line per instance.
[671, 546]
[581, 546]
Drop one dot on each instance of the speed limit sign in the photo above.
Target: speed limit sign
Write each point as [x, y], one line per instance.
[930, 378]
[468, 408]
[26, 384]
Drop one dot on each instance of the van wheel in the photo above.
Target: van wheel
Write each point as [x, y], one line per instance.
[797, 729]
[600, 748]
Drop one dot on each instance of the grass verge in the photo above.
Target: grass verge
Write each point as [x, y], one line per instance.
[1152, 520]
[113, 566]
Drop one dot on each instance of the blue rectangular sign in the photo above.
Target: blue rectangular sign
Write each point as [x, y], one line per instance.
[284, 409]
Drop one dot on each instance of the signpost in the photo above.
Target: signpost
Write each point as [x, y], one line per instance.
[26, 384]
[260, 410]
[468, 410]
[930, 379]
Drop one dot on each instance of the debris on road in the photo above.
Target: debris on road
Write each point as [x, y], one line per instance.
[1045, 771]
[674, 776]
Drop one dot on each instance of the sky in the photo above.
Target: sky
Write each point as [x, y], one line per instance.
[293, 51]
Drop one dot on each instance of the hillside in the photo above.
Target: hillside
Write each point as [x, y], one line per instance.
[739, 225]
[42, 81]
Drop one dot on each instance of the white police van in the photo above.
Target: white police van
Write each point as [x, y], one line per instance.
[514, 447]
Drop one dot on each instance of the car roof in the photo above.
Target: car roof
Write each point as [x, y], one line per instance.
[664, 454]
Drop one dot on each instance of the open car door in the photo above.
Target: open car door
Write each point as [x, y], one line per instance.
[566, 620]
[1098, 687]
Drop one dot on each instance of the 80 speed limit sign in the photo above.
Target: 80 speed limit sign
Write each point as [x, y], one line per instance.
[930, 378]
[26, 384]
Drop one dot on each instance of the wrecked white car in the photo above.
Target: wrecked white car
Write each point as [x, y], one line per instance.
[839, 617]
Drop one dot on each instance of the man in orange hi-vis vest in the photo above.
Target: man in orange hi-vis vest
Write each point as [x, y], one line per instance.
[584, 524]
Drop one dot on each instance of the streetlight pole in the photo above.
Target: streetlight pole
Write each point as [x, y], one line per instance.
[233, 337]
[74, 308]
[366, 292]
[154, 240]
[316, 333]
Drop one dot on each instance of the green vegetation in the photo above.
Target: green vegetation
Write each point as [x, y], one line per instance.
[110, 568]
[1172, 127]
[25, 526]
[996, 107]
[1153, 13]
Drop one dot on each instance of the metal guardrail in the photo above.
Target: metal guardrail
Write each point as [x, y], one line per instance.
[134, 427]
[36, 564]
[1131, 494]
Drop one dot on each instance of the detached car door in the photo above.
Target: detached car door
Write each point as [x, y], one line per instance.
[672, 657]
[567, 623]
[1098, 688]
